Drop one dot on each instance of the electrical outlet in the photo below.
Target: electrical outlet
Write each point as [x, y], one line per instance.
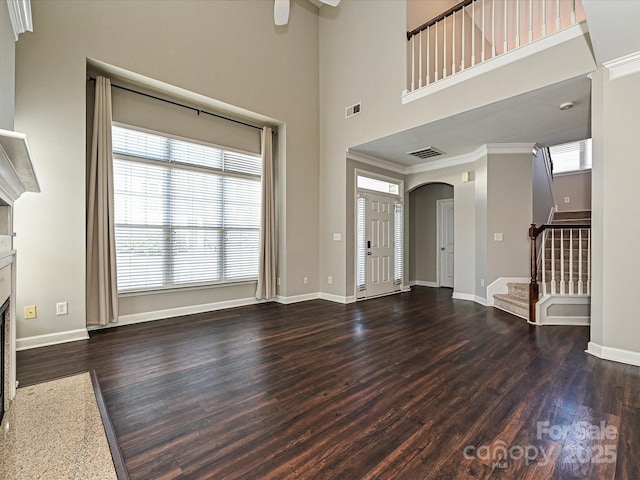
[305, 280]
[567, 200]
[61, 308]
[482, 282]
[278, 281]
[30, 312]
[329, 280]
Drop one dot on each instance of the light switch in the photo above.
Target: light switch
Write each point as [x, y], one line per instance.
[497, 237]
[337, 237]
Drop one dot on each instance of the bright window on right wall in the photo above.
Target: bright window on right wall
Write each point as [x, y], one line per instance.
[571, 157]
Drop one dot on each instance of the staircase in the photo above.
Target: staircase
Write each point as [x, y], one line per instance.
[515, 301]
[565, 276]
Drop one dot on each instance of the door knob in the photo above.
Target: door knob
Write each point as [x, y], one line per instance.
[442, 248]
[368, 253]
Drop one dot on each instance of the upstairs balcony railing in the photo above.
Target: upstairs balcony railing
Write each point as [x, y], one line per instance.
[476, 31]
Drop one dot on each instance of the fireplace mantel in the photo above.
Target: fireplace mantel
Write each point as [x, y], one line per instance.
[16, 177]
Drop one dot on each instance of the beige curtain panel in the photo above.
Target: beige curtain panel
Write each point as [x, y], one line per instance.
[266, 288]
[102, 289]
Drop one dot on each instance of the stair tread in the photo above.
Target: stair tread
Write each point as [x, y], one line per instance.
[512, 299]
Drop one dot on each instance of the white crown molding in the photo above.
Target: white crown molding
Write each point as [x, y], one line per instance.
[471, 157]
[623, 66]
[20, 14]
[376, 162]
[510, 148]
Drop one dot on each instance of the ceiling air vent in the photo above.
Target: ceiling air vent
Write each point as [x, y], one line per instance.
[352, 110]
[427, 152]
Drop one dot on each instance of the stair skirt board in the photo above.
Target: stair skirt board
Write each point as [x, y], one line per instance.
[573, 310]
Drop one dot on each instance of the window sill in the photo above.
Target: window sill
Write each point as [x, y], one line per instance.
[174, 289]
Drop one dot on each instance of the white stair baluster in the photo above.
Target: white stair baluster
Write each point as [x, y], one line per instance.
[506, 43]
[473, 35]
[482, 35]
[435, 73]
[493, 28]
[573, 12]
[413, 63]
[517, 23]
[553, 261]
[428, 56]
[444, 50]
[530, 21]
[580, 285]
[463, 40]
[420, 61]
[571, 262]
[562, 291]
[453, 44]
[544, 18]
[544, 262]
[557, 15]
[589, 262]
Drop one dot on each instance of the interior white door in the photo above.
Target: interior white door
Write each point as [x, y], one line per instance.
[379, 235]
[445, 241]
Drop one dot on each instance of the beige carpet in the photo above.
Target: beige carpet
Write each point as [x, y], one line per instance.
[54, 431]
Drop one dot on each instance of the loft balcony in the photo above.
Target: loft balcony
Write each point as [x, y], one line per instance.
[476, 36]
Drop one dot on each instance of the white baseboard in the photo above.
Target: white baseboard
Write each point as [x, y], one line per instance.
[480, 300]
[178, 312]
[463, 296]
[577, 321]
[51, 339]
[615, 354]
[337, 298]
[405, 288]
[422, 283]
[297, 298]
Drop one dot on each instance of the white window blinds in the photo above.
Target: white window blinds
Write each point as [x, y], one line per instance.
[571, 157]
[185, 213]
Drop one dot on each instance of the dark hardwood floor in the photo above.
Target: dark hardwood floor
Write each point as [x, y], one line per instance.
[411, 386]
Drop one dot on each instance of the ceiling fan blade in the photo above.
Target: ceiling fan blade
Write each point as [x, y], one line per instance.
[281, 12]
[331, 3]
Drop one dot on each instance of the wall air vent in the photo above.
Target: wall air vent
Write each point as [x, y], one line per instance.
[352, 110]
[427, 152]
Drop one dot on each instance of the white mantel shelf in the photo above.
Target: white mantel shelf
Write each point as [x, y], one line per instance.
[16, 170]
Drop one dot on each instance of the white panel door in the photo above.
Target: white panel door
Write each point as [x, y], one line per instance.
[379, 234]
[445, 241]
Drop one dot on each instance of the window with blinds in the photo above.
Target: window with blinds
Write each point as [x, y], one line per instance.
[571, 157]
[186, 213]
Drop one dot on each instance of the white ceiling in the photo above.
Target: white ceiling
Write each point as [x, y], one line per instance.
[534, 117]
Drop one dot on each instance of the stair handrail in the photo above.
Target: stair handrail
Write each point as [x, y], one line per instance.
[456, 8]
[534, 233]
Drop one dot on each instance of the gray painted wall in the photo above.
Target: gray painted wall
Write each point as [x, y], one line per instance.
[7, 69]
[543, 193]
[423, 241]
[227, 53]
[576, 186]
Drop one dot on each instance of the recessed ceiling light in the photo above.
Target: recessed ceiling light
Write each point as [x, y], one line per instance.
[566, 105]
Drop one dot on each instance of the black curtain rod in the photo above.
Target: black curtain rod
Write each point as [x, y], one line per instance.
[197, 110]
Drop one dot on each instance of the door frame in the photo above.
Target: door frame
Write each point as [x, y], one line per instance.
[439, 204]
[400, 197]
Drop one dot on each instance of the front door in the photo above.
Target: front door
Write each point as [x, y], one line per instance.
[379, 237]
